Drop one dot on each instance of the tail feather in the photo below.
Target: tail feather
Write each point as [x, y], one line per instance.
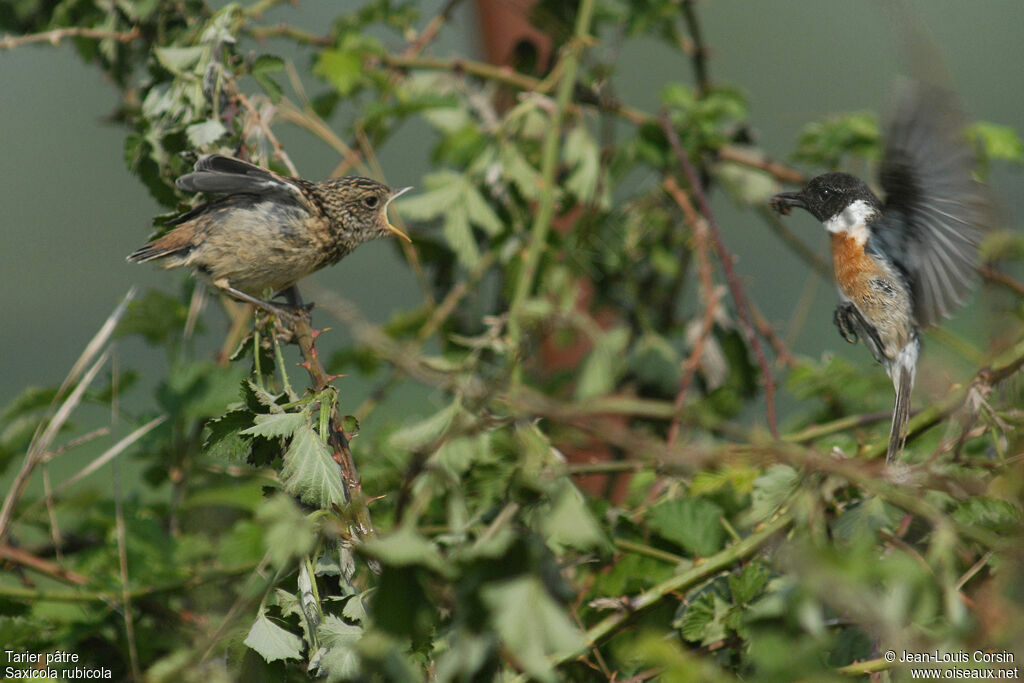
[904, 383]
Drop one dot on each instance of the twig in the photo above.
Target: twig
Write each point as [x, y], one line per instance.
[9, 42]
[25, 559]
[286, 31]
[549, 161]
[649, 599]
[336, 439]
[699, 53]
[699, 229]
[38, 446]
[431, 30]
[730, 275]
[745, 157]
[104, 457]
[994, 276]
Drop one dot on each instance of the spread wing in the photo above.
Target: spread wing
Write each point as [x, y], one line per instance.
[217, 174]
[935, 212]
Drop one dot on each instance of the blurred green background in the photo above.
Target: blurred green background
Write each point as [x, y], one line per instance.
[71, 211]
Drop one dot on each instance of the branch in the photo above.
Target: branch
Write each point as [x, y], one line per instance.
[26, 559]
[699, 229]
[699, 53]
[549, 161]
[730, 275]
[668, 588]
[305, 337]
[9, 42]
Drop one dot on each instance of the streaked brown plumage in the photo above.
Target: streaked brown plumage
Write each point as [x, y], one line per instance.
[269, 231]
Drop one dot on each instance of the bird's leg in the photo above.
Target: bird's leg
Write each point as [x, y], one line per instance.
[280, 312]
[294, 299]
[845, 319]
[853, 325]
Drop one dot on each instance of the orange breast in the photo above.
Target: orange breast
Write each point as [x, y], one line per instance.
[854, 269]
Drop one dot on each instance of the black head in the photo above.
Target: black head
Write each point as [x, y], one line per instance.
[827, 196]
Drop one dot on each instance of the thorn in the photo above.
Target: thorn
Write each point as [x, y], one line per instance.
[331, 378]
[304, 364]
[314, 334]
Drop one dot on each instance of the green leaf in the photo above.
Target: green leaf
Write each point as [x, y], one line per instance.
[205, 133]
[342, 69]
[288, 532]
[261, 70]
[223, 436]
[179, 59]
[704, 620]
[567, 521]
[310, 471]
[998, 142]
[604, 364]
[341, 661]
[771, 490]
[749, 583]
[404, 547]
[530, 623]
[584, 157]
[276, 424]
[271, 641]
[455, 198]
[426, 432]
[200, 389]
[693, 523]
[157, 317]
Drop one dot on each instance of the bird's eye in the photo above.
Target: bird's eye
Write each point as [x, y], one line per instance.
[371, 202]
[825, 192]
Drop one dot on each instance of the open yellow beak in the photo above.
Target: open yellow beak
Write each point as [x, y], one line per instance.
[395, 195]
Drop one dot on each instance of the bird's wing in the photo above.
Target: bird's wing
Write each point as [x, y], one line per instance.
[935, 212]
[217, 174]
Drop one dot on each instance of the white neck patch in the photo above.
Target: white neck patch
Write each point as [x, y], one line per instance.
[853, 220]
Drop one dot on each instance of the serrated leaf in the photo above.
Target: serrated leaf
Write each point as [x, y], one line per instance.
[310, 471]
[480, 212]
[426, 432]
[179, 59]
[567, 521]
[288, 533]
[205, 133]
[771, 490]
[998, 142]
[271, 641]
[530, 623]
[704, 620]
[603, 364]
[584, 157]
[276, 425]
[747, 585]
[341, 661]
[455, 198]
[404, 547]
[342, 69]
[693, 523]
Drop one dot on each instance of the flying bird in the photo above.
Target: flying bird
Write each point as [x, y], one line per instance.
[904, 263]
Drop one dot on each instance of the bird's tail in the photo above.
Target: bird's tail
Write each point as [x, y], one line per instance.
[902, 373]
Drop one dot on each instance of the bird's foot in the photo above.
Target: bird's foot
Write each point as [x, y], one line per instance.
[845, 319]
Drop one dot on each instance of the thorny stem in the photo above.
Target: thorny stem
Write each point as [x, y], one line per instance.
[336, 439]
[637, 605]
[699, 229]
[730, 275]
[549, 160]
